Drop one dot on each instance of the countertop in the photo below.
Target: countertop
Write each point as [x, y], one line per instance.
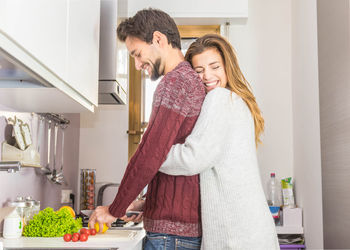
[111, 239]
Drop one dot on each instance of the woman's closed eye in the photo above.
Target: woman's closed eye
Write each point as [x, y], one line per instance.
[199, 70]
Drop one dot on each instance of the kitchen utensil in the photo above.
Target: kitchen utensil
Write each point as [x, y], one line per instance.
[54, 178]
[59, 176]
[27, 137]
[48, 165]
[17, 132]
[40, 131]
[41, 126]
[128, 226]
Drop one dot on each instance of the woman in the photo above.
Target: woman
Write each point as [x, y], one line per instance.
[222, 149]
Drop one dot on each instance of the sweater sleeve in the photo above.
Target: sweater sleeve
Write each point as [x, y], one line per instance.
[169, 111]
[202, 148]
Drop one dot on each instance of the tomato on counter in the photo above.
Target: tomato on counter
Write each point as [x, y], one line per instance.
[75, 238]
[77, 235]
[67, 237]
[83, 237]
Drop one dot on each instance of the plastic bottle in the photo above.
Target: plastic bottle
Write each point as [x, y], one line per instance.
[13, 225]
[274, 191]
[274, 200]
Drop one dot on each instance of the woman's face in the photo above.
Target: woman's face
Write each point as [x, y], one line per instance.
[210, 67]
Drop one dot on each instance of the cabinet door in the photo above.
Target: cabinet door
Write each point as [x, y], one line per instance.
[39, 26]
[83, 47]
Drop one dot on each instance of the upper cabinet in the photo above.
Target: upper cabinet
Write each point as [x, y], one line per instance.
[49, 55]
[83, 47]
[40, 27]
[196, 12]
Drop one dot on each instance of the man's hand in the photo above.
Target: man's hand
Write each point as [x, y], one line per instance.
[101, 215]
[136, 205]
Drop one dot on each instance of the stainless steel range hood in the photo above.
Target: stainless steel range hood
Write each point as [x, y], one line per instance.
[114, 58]
[110, 92]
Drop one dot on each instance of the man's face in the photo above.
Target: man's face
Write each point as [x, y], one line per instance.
[147, 57]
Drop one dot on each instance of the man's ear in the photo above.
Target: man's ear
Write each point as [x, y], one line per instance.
[159, 39]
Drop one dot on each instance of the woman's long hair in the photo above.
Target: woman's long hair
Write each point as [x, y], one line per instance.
[236, 81]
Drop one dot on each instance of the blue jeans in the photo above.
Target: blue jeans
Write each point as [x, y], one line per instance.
[157, 241]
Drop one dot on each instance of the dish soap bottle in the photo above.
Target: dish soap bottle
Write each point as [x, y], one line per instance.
[13, 225]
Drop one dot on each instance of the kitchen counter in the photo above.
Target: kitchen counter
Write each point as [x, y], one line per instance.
[111, 239]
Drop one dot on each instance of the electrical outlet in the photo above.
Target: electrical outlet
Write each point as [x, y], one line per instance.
[65, 195]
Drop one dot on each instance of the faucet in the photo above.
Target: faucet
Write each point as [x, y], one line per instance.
[100, 192]
[10, 166]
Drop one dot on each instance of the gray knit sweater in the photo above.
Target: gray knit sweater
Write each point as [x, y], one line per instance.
[222, 149]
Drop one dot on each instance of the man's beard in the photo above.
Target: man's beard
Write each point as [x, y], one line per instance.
[156, 70]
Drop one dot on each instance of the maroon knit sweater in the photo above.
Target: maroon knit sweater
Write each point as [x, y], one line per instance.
[172, 202]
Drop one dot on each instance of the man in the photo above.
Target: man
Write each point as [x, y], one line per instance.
[172, 207]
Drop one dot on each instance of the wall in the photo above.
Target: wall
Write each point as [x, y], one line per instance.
[334, 65]
[263, 47]
[27, 181]
[104, 142]
[306, 127]
[277, 48]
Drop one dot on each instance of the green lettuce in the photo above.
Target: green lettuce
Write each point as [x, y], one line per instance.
[49, 223]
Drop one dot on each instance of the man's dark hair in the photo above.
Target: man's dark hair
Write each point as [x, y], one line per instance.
[145, 23]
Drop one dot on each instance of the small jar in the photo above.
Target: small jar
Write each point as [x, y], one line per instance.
[20, 205]
[36, 208]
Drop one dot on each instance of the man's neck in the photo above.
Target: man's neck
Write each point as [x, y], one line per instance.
[173, 58]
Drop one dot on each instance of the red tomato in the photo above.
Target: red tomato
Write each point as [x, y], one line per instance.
[77, 235]
[67, 237]
[83, 230]
[88, 232]
[93, 231]
[75, 238]
[83, 237]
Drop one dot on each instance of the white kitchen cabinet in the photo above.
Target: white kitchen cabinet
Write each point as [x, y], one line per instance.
[195, 12]
[83, 47]
[56, 43]
[40, 27]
